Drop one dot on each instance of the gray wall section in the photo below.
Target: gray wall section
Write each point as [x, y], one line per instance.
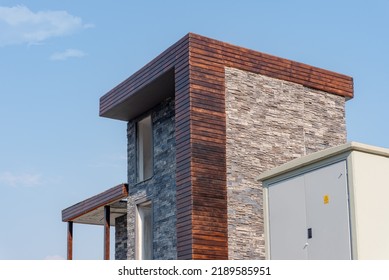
[269, 122]
[161, 188]
[121, 238]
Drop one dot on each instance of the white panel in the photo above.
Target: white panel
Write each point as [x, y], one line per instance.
[287, 219]
[328, 212]
[371, 193]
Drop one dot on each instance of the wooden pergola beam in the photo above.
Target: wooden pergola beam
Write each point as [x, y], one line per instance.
[107, 224]
[70, 241]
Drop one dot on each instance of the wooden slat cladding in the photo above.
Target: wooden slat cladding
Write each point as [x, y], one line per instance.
[183, 160]
[208, 138]
[211, 52]
[92, 203]
[201, 166]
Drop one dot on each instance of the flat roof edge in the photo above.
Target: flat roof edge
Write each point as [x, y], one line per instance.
[320, 156]
[194, 48]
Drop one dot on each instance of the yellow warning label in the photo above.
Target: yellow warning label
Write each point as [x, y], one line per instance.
[326, 199]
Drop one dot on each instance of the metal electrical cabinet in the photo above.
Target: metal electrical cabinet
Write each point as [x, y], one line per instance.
[332, 204]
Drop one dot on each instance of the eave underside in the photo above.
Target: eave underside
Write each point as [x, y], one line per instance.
[91, 210]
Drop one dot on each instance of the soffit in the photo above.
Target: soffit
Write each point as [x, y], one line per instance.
[91, 210]
[143, 99]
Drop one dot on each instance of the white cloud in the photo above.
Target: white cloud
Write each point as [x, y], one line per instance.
[69, 53]
[19, 25]
[54, 257]
[20, 180]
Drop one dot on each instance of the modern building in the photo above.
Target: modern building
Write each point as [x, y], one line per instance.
[204, 118]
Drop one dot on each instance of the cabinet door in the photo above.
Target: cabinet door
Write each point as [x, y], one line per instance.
[287, 220]
[328, 212]
[309, 215]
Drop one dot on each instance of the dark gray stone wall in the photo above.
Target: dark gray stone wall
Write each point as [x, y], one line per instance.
[269, 122]
[121, 238]
[160, 189]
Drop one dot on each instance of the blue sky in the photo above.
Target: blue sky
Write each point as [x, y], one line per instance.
[57, 58]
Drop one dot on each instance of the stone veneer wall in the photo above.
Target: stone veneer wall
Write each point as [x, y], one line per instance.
[121, 238]
[161, 188]
[269, 122]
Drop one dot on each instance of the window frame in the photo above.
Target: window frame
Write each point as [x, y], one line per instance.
[141, 142]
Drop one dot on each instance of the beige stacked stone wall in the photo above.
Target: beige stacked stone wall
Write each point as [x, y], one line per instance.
[269, 122]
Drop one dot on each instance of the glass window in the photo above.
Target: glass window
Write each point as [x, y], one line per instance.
[145, 149]
[144, 236]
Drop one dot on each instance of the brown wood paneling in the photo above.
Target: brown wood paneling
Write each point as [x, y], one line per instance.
[210, 52]
[183, 158]
[208, 138]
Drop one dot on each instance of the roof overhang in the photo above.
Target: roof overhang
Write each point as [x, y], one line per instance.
[193, 58]
[144, 99]
[91, 210]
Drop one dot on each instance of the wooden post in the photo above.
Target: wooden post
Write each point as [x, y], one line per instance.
[70, 240]
[107, 223]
